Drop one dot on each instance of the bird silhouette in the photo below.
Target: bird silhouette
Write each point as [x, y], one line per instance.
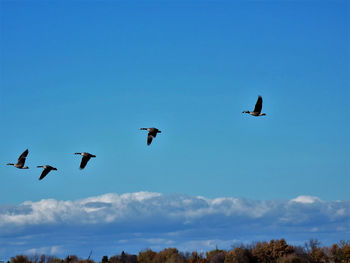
[85, 159]
[152, 133]
[21, 160]
[47, 169]
[257, 108]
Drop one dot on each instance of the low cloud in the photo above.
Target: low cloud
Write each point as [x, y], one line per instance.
[305, 199]
[43, 250]
[135, 221]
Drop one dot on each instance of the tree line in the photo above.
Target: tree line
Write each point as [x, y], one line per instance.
[275, 251]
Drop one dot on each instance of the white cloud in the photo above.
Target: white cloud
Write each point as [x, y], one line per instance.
[145, 206]
[138, 220]
[305, 199]
[44, 250]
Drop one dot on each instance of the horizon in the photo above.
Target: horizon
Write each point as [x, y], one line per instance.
[111, 223]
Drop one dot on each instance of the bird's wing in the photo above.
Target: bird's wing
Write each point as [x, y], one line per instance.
[258, 105]
[24, 154]
[84, 161]
[44, 173]
[154, 134]
[150, 138]
[22, 157]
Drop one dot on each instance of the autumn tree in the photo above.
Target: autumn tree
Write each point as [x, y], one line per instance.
[238, 255]
[291, 258]
[269, 252]
[169, 255]
[315, 253]
[71, 259]
[104, 259]
[20, 259]
[280, 248]
[196, 258]
[261, 252]
[340, 253]
[51, 259]
[216, 256]
[345, 248]
[123, 258]
[146, 256]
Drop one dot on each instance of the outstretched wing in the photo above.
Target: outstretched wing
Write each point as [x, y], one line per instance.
[84, 161]
[22, 157]
[258, 105]
[150, 138]
[44, 173]
[152, 134]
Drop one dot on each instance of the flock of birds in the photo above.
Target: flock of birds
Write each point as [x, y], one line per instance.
[48, 168]
[152, 133]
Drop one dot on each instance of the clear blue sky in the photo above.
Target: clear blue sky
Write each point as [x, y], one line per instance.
[86, 75]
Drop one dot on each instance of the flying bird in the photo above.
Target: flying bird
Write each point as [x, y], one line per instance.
[21, 160]
[47, 169]
[85, 159]
[257, 109]
[152, 133]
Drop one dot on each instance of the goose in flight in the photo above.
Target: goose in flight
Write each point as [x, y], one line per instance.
[85, 159]
[21, 160]
[152, 133]
[257, 109]
[47, 169]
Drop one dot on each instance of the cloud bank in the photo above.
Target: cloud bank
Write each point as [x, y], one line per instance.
[110, 223]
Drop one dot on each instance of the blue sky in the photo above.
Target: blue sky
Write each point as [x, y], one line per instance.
[85, 76]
